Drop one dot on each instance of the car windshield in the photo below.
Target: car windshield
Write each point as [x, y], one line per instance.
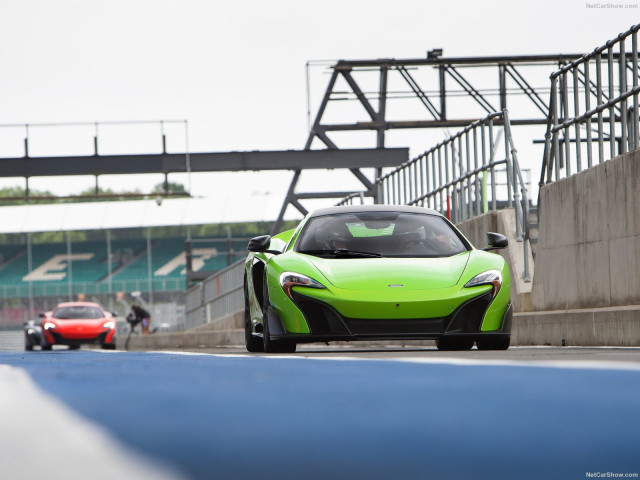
[79, 312]
[386, 234]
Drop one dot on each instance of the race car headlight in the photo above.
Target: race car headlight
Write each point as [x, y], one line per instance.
[48, 325]
[290, 279]
[490, 277]
[109, 325]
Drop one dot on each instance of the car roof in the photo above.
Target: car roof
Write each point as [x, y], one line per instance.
[78, 304]
[372, 208]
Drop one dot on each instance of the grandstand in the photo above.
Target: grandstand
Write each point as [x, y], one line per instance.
[86, 266]
[132, 260]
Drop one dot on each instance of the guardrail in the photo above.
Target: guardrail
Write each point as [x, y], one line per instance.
[457, 177]
[573, 114]
[217, 296]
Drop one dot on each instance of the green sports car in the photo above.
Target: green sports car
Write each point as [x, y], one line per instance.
[375, 272]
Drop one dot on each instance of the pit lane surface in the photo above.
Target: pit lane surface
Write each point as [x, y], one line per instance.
[351, 413]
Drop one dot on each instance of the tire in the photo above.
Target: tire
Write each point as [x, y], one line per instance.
[108, 346]
[494, 343]
[46, 347]
[272, 346]
[448, 344]
[74, 347]
[253, 344]
[27, 343]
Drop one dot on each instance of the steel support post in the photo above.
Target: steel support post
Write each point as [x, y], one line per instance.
[109, 269]
[288, 199]
[443, 92]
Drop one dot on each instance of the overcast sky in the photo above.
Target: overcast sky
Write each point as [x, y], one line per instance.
[236, 70]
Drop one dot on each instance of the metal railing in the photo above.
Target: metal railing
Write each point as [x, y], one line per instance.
[458, 177]
[356, 198]
[59, 289]
[593, 121]
[217, 296]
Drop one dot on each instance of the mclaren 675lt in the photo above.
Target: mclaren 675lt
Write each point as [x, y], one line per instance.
[376, 272]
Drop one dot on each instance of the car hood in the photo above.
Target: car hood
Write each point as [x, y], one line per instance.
[80, 324]
[373, 273]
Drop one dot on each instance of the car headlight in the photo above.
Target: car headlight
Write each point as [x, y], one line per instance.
[48, 325]
[109, 325]
[490, 277]
[290, 279]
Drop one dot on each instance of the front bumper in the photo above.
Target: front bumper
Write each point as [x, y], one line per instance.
[326, 324]
[53, 337]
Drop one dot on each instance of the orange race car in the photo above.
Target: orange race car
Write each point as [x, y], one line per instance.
[77, 323]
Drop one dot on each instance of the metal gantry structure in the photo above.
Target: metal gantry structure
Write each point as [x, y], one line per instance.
[507, 79]
[450, 92]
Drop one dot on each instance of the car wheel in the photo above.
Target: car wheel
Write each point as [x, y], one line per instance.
[452, 344]
[253, 344]
[271, 346]
[46, 347]
[108, 346]
[27, 343]
[74, 347]
[494, 343]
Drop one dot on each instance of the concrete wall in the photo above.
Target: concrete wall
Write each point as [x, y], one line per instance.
[504, 222]
[227, 330]
[611, 326]
[589, 245]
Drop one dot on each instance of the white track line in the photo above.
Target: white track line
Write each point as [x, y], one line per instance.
[567, 364]
[40, 437]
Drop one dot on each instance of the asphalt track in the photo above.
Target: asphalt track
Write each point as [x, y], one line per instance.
[273, 417]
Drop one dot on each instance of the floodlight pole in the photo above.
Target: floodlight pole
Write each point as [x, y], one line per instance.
[149, 268]
[69, 267]
[109, 276]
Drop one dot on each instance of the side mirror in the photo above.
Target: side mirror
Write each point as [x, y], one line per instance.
[261, 244]
[41, 315]
[114, 314]
[496, 241]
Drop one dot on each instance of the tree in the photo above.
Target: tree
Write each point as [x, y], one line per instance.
[172, 187]
[16, 196]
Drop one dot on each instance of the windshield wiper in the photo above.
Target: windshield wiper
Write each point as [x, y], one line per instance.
[341, 252]
[355, 253]
[316, 252]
